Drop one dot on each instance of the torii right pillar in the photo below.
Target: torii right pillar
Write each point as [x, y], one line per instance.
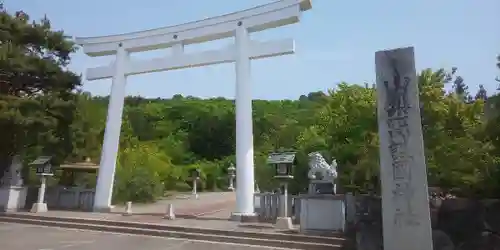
[244, 127]
[403, 173]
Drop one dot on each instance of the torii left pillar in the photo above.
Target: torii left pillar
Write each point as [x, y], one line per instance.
[106, 175]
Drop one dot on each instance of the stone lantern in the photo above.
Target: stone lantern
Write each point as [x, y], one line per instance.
[283, 162]
[43, 169]
[231, 172]
[195, 176]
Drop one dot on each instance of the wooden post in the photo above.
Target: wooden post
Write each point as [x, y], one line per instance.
[403, 173]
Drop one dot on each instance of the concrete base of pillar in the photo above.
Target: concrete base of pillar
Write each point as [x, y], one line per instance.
[284, 223]
[244, 217]
[39, 208]
[12, 198]
[104, 209]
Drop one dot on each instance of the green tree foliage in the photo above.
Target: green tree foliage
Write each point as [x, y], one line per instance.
[36, 103]
[141, 173]
[458, 153]
[460, 148]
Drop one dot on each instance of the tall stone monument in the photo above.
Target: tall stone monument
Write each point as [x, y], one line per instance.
[405, 204]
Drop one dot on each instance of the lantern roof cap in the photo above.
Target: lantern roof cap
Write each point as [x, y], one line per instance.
[281, 157]
[41, 160]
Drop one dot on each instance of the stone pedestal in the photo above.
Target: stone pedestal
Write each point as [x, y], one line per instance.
[39, 208]
[284, 223]
[321, 187]
[322, 212]
[110, 209]
[12, 198]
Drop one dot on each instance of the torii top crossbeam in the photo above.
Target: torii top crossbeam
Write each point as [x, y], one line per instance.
[259, 18]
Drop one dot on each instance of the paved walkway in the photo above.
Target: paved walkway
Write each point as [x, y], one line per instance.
[206, 203]
[27, 237]
[209, 211]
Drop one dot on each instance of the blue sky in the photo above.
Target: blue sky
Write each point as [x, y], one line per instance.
[335, 41]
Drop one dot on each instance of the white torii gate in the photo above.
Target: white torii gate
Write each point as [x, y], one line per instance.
[237, 24]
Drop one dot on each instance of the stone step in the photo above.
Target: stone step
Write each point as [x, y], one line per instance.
[330, 240]
[207, 236]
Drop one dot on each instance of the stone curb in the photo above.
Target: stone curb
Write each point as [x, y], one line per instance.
[247, 234]
[172, 234]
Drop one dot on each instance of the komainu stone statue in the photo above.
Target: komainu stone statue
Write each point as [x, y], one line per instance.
[321, 174]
